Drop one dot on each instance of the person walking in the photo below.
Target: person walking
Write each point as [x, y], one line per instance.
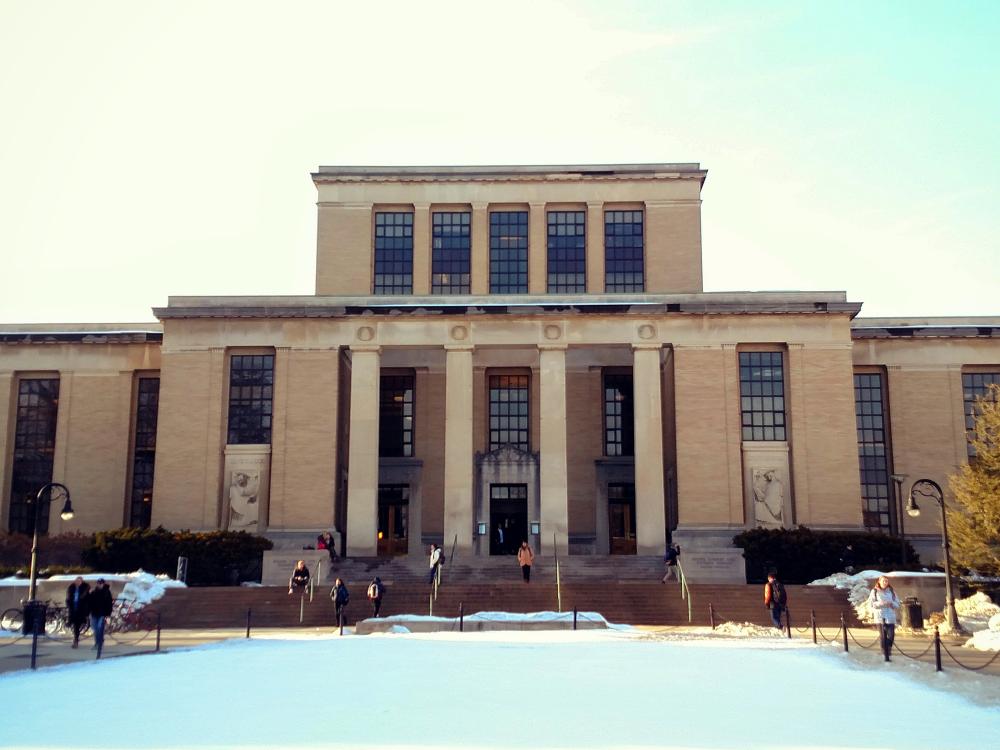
[775, 598]
[435, 563]
[670, 563]
[525, 557]
[340, 597]
[375, 593]
[77, 606]
[883, 603]
[100, 604]
[300, 578]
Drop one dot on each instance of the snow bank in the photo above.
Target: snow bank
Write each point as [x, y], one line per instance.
[140, 587]
[748, 630]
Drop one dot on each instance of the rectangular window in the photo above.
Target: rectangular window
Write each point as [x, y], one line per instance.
[451, 267]
[619, 422]
[567, 252]
[975, 385]
[509, 423]
[762, 395]
[876, 491]
[144, 452]
[34, 448]
[509, 252]
[623, 251]
[393, 252]
[395, 416]
[251, 389]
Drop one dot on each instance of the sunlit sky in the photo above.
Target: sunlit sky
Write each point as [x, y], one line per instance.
[158, 148]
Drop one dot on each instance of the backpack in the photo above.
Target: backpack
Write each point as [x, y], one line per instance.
[373, 591]
[441, 558]
[777, 593]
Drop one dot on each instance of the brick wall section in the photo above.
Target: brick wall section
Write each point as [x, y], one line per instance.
[584, 430]
[303, 452]
[673, 248]
[344, 250]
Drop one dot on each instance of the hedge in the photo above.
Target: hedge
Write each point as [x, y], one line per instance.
[215, 558]
[57, 550]
[802, 555]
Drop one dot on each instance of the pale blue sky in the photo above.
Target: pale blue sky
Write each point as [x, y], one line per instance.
[155, 148]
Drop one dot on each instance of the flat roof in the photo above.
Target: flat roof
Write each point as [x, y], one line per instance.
[491, 171]
[977, 326]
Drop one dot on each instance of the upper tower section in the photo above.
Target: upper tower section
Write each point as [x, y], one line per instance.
[557, 230]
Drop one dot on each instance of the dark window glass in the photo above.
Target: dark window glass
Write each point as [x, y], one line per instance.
[251, 389]
[393, 510]
[623, 256]
[450, 263]
[34, 448]
[509, 252]
[619, 423]
[393, 252]
[144, 453]
[567, 252]
[869, 408]
[509, 411]
[762, 395]
[395, 416]
[975, 385]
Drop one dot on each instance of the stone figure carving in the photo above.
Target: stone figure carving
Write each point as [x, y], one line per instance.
[768, 499]
[243, 507]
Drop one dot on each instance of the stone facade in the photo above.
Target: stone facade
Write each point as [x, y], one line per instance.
[305, 438]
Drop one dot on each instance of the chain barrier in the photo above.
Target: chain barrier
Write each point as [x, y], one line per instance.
[12, 641]
[965, 666]
[908, 656]
[859, 643]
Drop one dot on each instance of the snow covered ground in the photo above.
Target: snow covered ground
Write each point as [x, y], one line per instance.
[584, 689]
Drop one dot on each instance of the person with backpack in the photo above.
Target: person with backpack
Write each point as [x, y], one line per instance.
[525, 557]
[775, 598]
[883, 603]
[437, 560]
[340, 597]
[670, 562]
[375, 593]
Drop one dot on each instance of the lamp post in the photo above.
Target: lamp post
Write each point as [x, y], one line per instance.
[898, 480]
[931, 489]
[51, 492]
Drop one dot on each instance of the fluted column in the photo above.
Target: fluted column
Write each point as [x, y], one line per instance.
[362, 478]
[458, 448]
[553, 469]
[650, 516]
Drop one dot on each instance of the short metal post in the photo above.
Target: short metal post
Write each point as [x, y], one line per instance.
[302, 607]
[843, 626]
[159, 621]
[248, 622]
[812, 619]
[34, 642]
[575, 612]
[937, 649]
[461, 617]
[430, 608]
[788, 621]
[711, 615]
[341, 618]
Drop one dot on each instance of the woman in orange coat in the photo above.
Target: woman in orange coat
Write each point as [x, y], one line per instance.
[524, 558]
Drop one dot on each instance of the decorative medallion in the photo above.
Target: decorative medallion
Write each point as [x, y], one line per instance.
[459, 333]
[366, 333]
[552, 332]
[646, 331]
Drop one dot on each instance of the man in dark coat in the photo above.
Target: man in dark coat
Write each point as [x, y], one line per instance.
[376, 590]
[100, 603]
[340, 597]
[775, 598]
[77, 606]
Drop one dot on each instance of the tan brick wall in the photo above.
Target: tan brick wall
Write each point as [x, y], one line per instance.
[187, 483]
[304, 441]
[344, 250]
[673, 248]
[429, 447]
[584, 429]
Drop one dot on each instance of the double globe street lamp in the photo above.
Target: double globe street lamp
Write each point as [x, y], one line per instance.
[50, 493]
[931, 489]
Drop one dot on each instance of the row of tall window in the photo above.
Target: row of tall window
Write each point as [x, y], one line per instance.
[566, 252]
[35, 444]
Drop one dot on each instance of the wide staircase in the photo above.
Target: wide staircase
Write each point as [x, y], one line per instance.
[622, 589]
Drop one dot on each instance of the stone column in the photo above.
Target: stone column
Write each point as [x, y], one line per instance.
[650, 518]
[553, 467]
[421, 248]
[595, 248]
[480, 253]
[8, 420]
[537, 249]
[458, 448]
[362, 478]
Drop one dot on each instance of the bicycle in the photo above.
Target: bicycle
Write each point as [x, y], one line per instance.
[127, 617]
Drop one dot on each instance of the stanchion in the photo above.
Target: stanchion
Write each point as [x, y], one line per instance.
[575, 612]
[812, 619]
[159, 621]
[34, 641]
[788, 621]
[248, 622]
[711, 615]
[461, 617]
[341, 623]
[937, 649]
[302, 607]
[843, 626]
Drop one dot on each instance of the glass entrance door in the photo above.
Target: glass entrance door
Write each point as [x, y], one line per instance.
[621, 519]
[508, 518]
[393, 519]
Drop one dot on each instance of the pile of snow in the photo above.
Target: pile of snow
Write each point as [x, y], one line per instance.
[989, 639]
[748, 630]
[140, 587]
[974, 612]
[397, 629]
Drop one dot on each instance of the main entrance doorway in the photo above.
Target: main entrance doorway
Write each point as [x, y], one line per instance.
[393, 519]
[508, 518]
[621, 519]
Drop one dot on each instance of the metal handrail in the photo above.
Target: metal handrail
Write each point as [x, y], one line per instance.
[685, 589]
[555, 553]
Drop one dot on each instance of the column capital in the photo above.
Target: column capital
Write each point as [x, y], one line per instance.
[459, 347]
[480, 205]
[423, 206]
[552, 347]
[595, 204]
[375, 348]
[650, 347]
